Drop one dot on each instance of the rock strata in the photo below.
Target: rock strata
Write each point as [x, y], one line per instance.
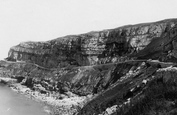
[107, 46]
[109, 72]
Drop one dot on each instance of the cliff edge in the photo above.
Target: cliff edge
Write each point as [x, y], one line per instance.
[130, 70]
[108, 46]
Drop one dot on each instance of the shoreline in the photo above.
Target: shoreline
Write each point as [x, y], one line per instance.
[54, 103]
[66, 106]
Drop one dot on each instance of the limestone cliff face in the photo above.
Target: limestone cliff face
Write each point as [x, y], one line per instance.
[148, 89]
[79, 80]
[86, 64]
[118, 88]
[101, 47]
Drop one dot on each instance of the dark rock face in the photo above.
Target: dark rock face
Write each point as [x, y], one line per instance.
[126, 69]
[101, 47]
[80, 80]
[139, 93]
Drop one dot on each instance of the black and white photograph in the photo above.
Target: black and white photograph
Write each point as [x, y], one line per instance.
[88, 57]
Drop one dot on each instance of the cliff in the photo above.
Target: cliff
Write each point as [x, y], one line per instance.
[142, 91]
[125, 69]
[107, 46]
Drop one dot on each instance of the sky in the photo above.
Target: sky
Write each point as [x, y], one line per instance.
[42, 20]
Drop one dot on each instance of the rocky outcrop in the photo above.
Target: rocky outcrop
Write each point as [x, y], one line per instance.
[146, 90]
[82, 81]
[124, 68]
[117, 88]
[101, 47]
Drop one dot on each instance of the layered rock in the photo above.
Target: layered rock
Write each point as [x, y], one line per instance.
[147, 89]
[117, 87]
[100, 47]
[120, 67]
[79, 80]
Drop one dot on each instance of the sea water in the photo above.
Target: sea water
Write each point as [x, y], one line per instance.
[12, 103]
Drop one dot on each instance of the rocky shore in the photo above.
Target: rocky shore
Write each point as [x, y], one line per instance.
[110, 72]
[56, 104]
[65, 106]
[6, 80]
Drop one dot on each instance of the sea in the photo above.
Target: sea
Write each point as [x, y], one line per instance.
[13, 103]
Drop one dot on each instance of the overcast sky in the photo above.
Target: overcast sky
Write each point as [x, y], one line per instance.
[41, 20]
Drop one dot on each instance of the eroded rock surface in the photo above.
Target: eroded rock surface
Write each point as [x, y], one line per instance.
[122, 69]
[101, 47]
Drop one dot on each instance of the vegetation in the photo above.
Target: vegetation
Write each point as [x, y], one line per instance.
[160, 99]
